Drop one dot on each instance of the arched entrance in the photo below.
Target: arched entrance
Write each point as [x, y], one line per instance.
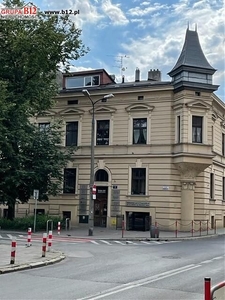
[101, 201]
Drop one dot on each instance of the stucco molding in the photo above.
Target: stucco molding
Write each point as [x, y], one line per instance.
[71, 111]
[198, 104]
[139, 107]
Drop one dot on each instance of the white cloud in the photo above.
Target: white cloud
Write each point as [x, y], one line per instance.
[139, 11]
[145, 3]
[114, 12]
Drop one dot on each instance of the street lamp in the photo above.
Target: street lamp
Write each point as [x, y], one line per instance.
[92, 179]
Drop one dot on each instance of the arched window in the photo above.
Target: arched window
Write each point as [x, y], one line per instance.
[101, 175]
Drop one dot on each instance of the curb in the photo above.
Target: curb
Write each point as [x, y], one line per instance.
[32, 265]
[145, 238]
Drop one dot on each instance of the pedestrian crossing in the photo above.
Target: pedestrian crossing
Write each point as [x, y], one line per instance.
[97, 242]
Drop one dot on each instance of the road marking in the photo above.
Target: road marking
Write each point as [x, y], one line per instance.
[140, 282]
[105, 242]
[9, 235]
[206, 261]
[1, 236]
[118, 242]
[158, 243]
[94, 242]
[143, 242]
[20, 235]
[131, 243]
[218, 257]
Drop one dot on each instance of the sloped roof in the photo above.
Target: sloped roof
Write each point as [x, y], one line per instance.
[192, 54]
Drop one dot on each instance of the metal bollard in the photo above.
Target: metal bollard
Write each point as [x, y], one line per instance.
[13, 251]
[207, 288]
[49, 240]
[44, 244]
[29, 237]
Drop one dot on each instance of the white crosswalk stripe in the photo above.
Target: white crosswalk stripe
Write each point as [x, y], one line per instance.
[94, 242]
[143, 242]
[21, 235]
[9, 235]
[105, 242]
[118, 242]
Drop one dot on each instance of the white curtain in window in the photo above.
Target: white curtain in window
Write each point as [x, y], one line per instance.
[145, 134]
[136, 135]
[199, 135]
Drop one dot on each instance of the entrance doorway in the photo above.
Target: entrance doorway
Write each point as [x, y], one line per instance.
[100, 207]
[139, 221]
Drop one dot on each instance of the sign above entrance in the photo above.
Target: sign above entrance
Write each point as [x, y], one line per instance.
[138, 204]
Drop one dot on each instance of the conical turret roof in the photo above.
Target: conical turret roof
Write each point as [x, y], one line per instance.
[192, 55]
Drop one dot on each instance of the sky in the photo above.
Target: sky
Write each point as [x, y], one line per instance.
[148, 34]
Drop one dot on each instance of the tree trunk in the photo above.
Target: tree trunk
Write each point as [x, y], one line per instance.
[11, 211]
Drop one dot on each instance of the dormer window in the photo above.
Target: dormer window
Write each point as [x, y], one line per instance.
[82, 81]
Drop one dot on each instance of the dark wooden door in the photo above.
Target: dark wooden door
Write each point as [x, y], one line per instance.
[100, 207]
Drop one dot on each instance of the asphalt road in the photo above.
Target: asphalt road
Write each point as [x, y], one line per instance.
[173, 271]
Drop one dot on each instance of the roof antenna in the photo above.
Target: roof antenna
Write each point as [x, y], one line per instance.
[188, 25]
[195, 26]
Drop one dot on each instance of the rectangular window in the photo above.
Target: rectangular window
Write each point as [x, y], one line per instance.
[223, 188]
[102, 132]
[71, 133]
[69, 182]
[138, 184]
[71, 102]
[44, 127]
[197, 123]
[140, 131]
[178, 129]
[223, 145]
[81, 81]
[211, 185]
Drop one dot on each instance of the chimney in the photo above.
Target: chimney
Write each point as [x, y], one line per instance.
[137, 75]
[113, 76]
[154, 75]
[123, 79]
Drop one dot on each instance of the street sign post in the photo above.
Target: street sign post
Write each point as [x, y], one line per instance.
[36, 196]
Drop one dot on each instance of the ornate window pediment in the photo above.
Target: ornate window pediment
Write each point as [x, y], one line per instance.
[139, 107]
[48, 113]
[71, 111]
[104, 110]
[198, 104]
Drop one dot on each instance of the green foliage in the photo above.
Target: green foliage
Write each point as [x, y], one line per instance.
[26, 222]
[31, 52]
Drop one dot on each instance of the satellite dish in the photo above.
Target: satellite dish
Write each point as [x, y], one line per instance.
[123, 69]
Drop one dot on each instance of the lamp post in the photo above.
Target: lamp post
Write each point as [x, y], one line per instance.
[92, 179]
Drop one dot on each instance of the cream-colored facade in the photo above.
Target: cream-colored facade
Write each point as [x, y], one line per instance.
[170, 167]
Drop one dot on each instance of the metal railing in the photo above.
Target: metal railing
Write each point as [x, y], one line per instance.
[209, 292]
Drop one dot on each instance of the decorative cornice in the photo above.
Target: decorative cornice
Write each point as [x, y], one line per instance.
[198, 104]
[139, 107]
[71, 111]
[103, 110]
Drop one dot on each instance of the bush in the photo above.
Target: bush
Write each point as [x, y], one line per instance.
[26, 222]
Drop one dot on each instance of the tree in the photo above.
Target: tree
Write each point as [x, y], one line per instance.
[31, 52]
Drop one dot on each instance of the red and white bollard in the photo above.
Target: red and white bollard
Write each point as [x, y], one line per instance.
[94, 192]
[49, 240]
[59, 227]
[29, 237]
[44, 244]
[207, 288]
[13, 251]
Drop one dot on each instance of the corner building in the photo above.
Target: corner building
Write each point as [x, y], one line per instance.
[159, 147]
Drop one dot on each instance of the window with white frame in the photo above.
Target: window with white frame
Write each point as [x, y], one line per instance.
[82, 81]
[138, 181]
[140, 131]
[69, 182]
[197, 129]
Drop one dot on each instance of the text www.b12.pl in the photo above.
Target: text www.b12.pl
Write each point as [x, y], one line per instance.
[62, 12]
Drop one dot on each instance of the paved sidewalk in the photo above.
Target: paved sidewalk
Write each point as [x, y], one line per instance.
[26, 258]
[113, 234]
